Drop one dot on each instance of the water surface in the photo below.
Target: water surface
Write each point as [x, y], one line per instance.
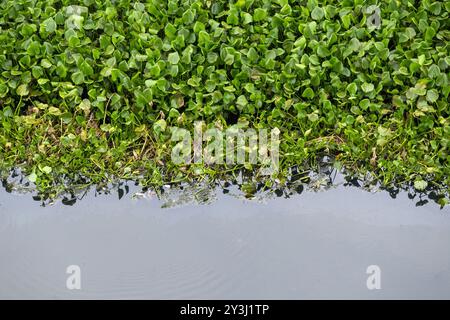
[313, 245]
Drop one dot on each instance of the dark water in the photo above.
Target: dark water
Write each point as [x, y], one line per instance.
[313, 245]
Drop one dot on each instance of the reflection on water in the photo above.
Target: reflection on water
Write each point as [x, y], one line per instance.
[204, 191]
[278, 245]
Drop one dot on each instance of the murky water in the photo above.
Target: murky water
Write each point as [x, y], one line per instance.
[313, 245]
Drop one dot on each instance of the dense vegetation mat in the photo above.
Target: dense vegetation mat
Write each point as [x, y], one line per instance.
[90, 88]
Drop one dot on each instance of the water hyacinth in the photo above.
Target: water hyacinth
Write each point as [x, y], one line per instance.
[91, 87]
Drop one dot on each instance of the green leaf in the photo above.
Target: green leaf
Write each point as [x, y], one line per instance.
[435, 8]
[22, 90]
[32, 177]
[34, 48]
[37, 72]
[367, 87]
[246, 17]
[203, 38]
[188, 16]
[187, 54]
[46, 169]
[77, 77]
[160, 126]
[46, 64]
[74, 41]
[233, 17]
[54, 111]
[199, 26]
[313, 117]
[86, 69]
[432, 95]
[352, 88]
[354, 44]
[323, 51]
[49, 25]
[429, 33]
[252, 55]
[61, 70]
[317, 13]
[420, 185]
[173, 58]
[194, 81]
[212, 57]
[241, 101]
[170, 31]
[259, 14]
[3, 90]
[308, 93]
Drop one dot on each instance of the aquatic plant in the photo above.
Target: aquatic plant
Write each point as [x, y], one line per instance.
[91, 88]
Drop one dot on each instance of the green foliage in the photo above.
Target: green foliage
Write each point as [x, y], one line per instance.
[91, 85]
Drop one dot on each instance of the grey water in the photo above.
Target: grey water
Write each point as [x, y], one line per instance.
[311, 246]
